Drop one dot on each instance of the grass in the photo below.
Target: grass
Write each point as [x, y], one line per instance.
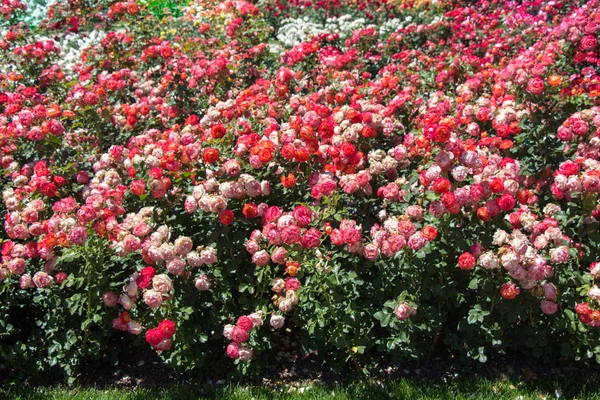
[579, 387]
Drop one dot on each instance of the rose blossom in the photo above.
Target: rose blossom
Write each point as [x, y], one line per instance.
[256, 318]
[292, 284]
[404, 311]
[208, 256]
[42, 280]
[290, 234]
[261, 258]
[233, 350]
[176, 266]
[311, 239]
[126, 302]
[245, 323]
[25, 282]
[245, 353]
[371, 252]
[162, 283]
[109, 299]
[279, 255]
[202, 283]
[509, 291]
[239, 335]
[277, 321]
[559, 254]
[548, 307]
[227, 329]
[153, 298]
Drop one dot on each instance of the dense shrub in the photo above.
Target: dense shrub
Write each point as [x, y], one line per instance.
[206, 184]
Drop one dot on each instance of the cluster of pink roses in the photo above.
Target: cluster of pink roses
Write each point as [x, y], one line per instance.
[239, 334]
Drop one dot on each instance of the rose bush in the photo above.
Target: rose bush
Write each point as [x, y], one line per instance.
[203, 191]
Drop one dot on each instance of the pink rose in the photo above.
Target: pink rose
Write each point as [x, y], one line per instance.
[256, 318]
[549, 292]
[233, 350]
[336, 237]
[227, 329]
[126, 302]
[404, 311]
[208, 256]
[311, 239]
[303, 215]
[535, 86]
[416, 241]
[176, 266]
[371, 252]
[279, 255]
[292, 284]
[239, 335]
[277, 321]
[109, 299]
[245, 323]
[548, 307]
[290, 234]
[163, 345]
[25, 282]
[245, 354]
[351, 235]
[42, 280]
[588, 43]
[134, 327]
[202, 283]
[272, 214]
[162, 283]
[252, 247]
[260, 258]
[559, 254]
[153, 298]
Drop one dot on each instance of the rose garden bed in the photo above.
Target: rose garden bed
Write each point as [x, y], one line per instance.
[361, 184]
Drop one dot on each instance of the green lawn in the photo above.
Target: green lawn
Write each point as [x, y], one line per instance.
[564, 388]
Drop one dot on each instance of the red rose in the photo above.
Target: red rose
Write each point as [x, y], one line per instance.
[509, 291]
[217, 131]
[441, 133]
[138, 187]
[568, 168]
[441, 185]
[483, 214]
[466, 261]
[348, 149]
[143, 281]
[506, 202]
[60, 277]
[301, 155]
[154, 336]
[148, 271]
[211, 155]
[250, 210]
[50, 190]
[288, 181]
[429, 232]
[226, 217]
[167, 328]
[325, 130]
